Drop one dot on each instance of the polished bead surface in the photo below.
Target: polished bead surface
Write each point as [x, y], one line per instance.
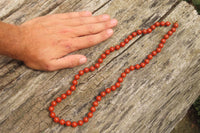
[73, 88]
[175, 25]
[92, 109]
[117, 84]
[134, 34]
[123, 75]
[74, 124]
[117, 47]
[56, 119]
[137, 66]
[169, 33]
[103, 94]
[63, 96]
[130, 37]
[127, 70]
[107, 52]
[126, 40]
[113, 88]
[77, 76]
[122, 44]
[85, 119]
[157, 24]
[92, 68]
[167, 23]
[149, 30]
[149, 56]
[112, 49]
[51, 108]
[160, 45]
[98, 98]
[120, 80]
[68, 92]
[52, 115]
[154, 53]
[158, 50]
[58, 99]
[80, 122]
[132, 68]
[139, 32]
[90, 114]
[74, 82]
[146, 61]
[103, 56]
[153, 27]
[68, 123]
[108, 90]
[144, 31]
[81, 72]
[162, 23]
[62, 122]
[142, 64]
[86, 70]
[95, 103]
[97, 65]
[53, 103]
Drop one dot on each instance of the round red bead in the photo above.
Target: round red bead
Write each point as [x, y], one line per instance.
[153, 27]
[162, 23]
[107, 52]
[68, 123]
[86, 70]
[80, 122]
[108, 90]
[68, 92]
[51, 108]
[122, 44]
[154, 53]
[95, 103]
[100, 60]
[120, 80]
[175, 25]
[113, 88]
[167, 23]
[117, 47]
[130, 37]
[149, 30]
[58, 99]
[73, 88]
[74, 82]
[52, 115]
[163, 41]
[56, 119]
[144, 31]
[166, 36]
[139, 32]
[149, 56]
[160, 45]
[92, 68]
[74, 124]
[137, 66]
[157, 24]
[112, 49]
[131, 68]
[85, 119]
[169, 33]
[53, 103]
[173, 29]
[146, 61]
[117, 84]
[90, 114]
[134, 34]
[77, 76]
[92, 109]
[158, 50]
[81, 72]
[98, 98]
[97, 65]
[62, 122]
[142, 64]
[126, 40]
[127, 70]
[103, 56]
[103, 94]
[123, 75]
[63, 96]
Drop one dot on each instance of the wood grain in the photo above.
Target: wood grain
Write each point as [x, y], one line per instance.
[153, 99]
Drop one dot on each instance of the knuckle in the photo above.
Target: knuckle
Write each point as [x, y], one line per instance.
[91, 29]
[91, 40]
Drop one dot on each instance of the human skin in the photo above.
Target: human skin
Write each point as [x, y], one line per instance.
[44, 43]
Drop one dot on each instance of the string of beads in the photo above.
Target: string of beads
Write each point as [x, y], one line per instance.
[120, 79]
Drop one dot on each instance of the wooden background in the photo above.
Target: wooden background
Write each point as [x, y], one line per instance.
[153, 99]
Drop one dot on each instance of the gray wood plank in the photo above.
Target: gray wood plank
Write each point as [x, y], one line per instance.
[153, 99]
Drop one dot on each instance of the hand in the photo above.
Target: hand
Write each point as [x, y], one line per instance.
[47, 40]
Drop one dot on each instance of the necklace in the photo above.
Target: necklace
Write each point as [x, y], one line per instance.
[120, 79]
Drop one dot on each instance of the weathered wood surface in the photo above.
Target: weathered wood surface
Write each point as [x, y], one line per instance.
[153, 99]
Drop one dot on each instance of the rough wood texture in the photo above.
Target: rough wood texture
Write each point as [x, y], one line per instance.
[153, 99]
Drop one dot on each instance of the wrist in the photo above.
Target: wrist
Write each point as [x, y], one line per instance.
[10, 40]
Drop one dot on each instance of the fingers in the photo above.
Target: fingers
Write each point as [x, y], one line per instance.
[93, 28]
[90, 40]
[72, 15]
[86, 20]
[68, 62]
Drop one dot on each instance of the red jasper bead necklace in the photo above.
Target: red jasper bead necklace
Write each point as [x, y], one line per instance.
[120, 79]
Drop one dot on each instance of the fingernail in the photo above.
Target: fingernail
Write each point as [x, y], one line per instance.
[105, 17]
[82, 60]
[113, 21]
[110, 31]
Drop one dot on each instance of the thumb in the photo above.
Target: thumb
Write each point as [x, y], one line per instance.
[69, 61]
